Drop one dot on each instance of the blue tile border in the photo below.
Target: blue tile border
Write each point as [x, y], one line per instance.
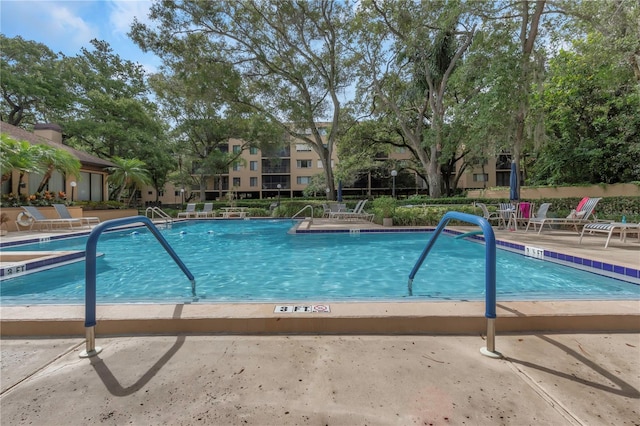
[631, 275]
[36, 265]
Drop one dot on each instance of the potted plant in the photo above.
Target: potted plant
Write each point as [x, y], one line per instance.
[385, 207]
[4, 219]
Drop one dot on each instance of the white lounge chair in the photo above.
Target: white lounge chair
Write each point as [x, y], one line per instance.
[610, 229]
[36, 217]
[539, 217]
[507, 212]
[357, 213]
[207, 211]
[64, 213]
[580, 216]
[489, 216]
[189, 212]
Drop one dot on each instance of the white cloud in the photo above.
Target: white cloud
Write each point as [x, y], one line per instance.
[70, 26]
[53, 23]
[123, 12]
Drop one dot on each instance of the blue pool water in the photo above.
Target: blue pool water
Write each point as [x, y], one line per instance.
[258, 260]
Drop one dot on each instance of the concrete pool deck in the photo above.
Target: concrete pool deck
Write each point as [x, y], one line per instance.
[353, 366]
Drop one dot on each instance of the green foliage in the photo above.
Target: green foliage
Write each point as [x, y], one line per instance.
[288, 60]
[113, 116]
[128, 174]
[592, 119]
[384, 206]
[18, 155]
[429, 215]
[101, 205]
[33, 87]
[52, 159]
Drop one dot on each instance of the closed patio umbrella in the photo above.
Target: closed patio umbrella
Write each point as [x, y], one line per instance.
[339, 190]
[514, 186]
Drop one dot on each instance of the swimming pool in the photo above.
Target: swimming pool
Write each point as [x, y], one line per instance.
[257, 260]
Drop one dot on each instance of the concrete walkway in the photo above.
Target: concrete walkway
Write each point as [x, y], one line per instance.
[585, 379]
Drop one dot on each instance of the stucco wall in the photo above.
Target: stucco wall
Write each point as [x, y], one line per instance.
[616, 190]
[50, 213]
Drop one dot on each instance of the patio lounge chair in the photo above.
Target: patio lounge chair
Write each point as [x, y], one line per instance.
[189, 212]
[609, 229]
[489, 216]
[357, 213]
[524, 213]
[36, 217]
[580, 216]
[507, 212]
[64, 213]
[207, 211]
[539, 217]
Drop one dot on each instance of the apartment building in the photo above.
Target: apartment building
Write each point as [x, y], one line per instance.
[287, 171]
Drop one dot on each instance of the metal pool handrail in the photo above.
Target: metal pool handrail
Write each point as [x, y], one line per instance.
[490, 271]
[308, 206]
[90, 273]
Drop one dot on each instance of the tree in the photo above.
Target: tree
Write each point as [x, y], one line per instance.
[360, 148]
[531, 13]
[591, 104]
[204, 123]
[289, 56]
[408, 51]
[18, 155]
[112, 115]
[127, 174]
[51, 159]
[32, 85]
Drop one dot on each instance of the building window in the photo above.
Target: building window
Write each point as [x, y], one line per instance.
[90, 187]
[303, 147]
[237, 166]
[303, 180]
[236, 182]
[400, 149]
[304, 164]
[253, 165]
[237, 149]
[319, 163]
[253, 150]
[503, 162]
[253, 181]
[480, 177]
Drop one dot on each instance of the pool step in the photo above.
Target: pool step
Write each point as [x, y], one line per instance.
[451, 318]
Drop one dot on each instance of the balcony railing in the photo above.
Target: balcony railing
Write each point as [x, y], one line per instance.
[276, 169]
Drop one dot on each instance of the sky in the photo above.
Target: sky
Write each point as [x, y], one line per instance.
[68, 25]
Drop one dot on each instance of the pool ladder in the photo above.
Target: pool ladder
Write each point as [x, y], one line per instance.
[490, 271]
[91, 273]
[308, 206]
[161, 214]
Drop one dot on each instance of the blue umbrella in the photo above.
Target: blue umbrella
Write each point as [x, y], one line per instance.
[514, 187]
[339, 190]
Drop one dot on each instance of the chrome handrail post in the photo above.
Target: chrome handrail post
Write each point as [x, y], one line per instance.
[90, 273]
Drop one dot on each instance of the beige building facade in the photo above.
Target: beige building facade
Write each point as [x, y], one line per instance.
[287, 172]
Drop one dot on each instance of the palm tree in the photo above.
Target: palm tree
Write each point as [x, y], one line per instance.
[18, 155]
[52, 159]
[128, 173]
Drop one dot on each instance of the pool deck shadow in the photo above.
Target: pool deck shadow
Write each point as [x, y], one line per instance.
[564, 362]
